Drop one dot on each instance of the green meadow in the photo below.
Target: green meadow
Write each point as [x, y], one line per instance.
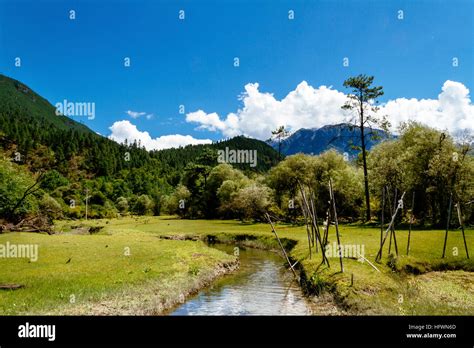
[147, 265]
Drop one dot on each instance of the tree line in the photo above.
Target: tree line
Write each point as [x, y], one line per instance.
[52, 171]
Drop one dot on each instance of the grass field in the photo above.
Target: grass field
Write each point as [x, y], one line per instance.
[74, 270]
[125, 268]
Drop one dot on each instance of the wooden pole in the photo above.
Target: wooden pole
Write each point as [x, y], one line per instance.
[370, 263]
[461, 223]
[326, 232]
[318, 236]
[281, 245]
[447, 224]
[383, 215]
[390, 243]
[310, 194]
[307, 213]
[331, 193]
[411, 221]
[391, 213]
[315, 215]
[400, 202]
[393, 226]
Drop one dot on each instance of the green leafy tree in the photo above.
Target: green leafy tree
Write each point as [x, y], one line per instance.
[178, 202]
[252, 202]
[16, 191]
[428, 162]
[362, 101]
[217, 176]
[52, 180]
[279, 134]
[143, 205]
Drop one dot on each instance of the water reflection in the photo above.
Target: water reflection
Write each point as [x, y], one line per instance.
[262, 286]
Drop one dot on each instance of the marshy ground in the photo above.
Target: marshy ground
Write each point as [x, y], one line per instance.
[147, 265]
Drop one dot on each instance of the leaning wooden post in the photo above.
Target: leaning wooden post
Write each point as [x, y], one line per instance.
[315, 215]
[324, 242]
[307, 213]
[447, 224]
[383, 214]
[307, 225]
[331, 194]
[393, 226]
[326, 232]
[318, 237]
[411, 221]
[391, 213]
[323, 239]
[370, 263]
[400, 205]
[310, 193]
[281, 245]
[461, 223]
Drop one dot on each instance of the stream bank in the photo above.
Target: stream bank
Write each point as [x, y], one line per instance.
[263, 285]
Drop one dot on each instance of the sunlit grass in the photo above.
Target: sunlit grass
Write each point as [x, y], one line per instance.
[99, 268]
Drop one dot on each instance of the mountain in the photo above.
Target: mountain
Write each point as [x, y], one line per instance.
[341, 137]
[29, 122]
[50, 163]
[17, 98]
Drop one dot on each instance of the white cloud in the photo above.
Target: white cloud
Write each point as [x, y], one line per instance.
[122, 130]
[261, 113]
[308, 107]
[135, 114]
[453, 110]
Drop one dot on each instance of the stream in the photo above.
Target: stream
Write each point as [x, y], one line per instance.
[262, 286]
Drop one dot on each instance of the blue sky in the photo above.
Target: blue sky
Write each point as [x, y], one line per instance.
[190, 62]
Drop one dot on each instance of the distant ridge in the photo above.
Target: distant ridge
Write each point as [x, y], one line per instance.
[342, 137]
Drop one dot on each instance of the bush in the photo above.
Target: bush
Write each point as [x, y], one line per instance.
[252, 202]
[50, 207]
[143, 205]
[122, 205]
[172, 204]
[52, 180]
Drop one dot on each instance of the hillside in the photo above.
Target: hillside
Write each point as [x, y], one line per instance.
[341, 137]
[18, 99]
[69, 161]
[28, 121]
[178, 157]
